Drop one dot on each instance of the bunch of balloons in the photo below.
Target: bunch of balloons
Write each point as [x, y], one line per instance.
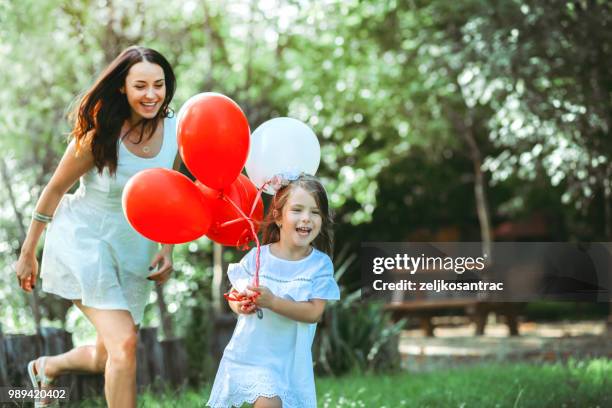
[215, 143]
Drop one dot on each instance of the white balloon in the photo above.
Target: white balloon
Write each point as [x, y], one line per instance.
[282, 145]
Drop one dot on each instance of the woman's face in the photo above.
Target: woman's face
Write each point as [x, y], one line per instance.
[145, 89]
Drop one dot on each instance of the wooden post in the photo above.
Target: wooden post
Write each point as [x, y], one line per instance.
[175, 361]
[479, 315]
[143, 378]
[153, 356]
[427, 325]
[512, 322]
[85, 386]
[20, 349]
[217, 289]
[56, 341]
[224, 324]
[166, 319]
[3, 361]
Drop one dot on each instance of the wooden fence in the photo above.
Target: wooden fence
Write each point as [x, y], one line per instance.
[160, 363]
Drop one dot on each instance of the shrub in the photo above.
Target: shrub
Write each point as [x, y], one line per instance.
[355, 335]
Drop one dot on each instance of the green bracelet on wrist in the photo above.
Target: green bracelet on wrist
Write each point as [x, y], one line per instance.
[41, 217]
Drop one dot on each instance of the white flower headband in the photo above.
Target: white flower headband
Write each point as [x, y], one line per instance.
[281, 180]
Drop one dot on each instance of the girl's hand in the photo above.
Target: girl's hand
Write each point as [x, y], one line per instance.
[163, 261]
[246, 307]
[265, 299]
[241, 303]
[27, 271]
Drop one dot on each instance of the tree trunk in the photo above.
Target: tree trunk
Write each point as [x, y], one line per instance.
[33, 301]
[249, 47]
[482, 207]
[216, 40]
[166, 319]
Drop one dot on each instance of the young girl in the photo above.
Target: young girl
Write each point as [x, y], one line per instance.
[268, 361]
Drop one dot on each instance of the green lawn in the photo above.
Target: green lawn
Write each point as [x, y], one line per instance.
[575, 384]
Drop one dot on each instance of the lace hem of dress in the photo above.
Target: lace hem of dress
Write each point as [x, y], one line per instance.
[239, 400]
[241, 394]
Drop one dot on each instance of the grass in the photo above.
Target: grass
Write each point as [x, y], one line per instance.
[572, 384]
[576, 384]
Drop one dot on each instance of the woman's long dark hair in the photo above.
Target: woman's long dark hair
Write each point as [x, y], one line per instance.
[101, 112]
[271, 232]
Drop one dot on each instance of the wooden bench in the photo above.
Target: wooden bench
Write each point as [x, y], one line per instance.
[477, 310]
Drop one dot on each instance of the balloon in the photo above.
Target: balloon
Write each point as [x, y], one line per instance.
[183, 108]
[165, 206]
[243, 193]
[282, 145]
[213, 138]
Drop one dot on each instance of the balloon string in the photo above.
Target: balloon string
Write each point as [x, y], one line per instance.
[253, 232]
[259, 191]
[250, 220]
[232, 222]
[243, 216]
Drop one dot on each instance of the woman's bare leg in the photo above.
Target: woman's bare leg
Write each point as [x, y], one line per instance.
[114, 354]
[89, 359]
[120, 337]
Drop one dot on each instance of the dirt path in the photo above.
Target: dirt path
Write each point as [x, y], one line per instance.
[539, 342]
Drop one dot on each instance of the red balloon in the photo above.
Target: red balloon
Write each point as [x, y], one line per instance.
[165, 206]
[243, 193]
[213, 139]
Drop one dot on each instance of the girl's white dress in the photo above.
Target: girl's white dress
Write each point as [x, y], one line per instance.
[91, 252]
[272, 356]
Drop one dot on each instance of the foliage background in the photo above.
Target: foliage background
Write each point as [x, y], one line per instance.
[437, 120]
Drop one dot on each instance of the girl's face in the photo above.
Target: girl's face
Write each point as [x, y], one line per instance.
[300, 219]
[145, 89]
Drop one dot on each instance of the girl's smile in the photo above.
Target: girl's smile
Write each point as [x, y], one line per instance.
[303, 231]
[300, 222]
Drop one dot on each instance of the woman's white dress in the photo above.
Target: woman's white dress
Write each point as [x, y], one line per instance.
[272, 356]
[91, 252]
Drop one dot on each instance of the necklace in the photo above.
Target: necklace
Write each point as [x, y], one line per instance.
[145, 149]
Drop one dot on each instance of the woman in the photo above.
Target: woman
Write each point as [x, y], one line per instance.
[92, 256]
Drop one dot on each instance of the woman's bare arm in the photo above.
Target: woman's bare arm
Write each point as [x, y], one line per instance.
[72, 166]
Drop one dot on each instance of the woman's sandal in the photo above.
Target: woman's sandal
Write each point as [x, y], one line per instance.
[40, 381]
